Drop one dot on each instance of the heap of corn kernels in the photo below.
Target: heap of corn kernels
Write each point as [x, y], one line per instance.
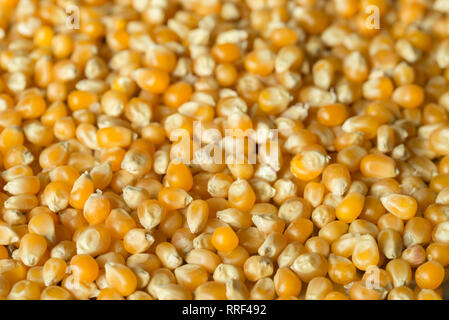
[101, 198]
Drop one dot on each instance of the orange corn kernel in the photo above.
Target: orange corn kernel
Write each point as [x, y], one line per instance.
[350, 207]
[378, 166]
[402, 206]
[96, 208]
[152, 80]
[224, 239]
[112, 137]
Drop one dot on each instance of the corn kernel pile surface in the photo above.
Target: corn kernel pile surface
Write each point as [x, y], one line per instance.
[105, 197]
